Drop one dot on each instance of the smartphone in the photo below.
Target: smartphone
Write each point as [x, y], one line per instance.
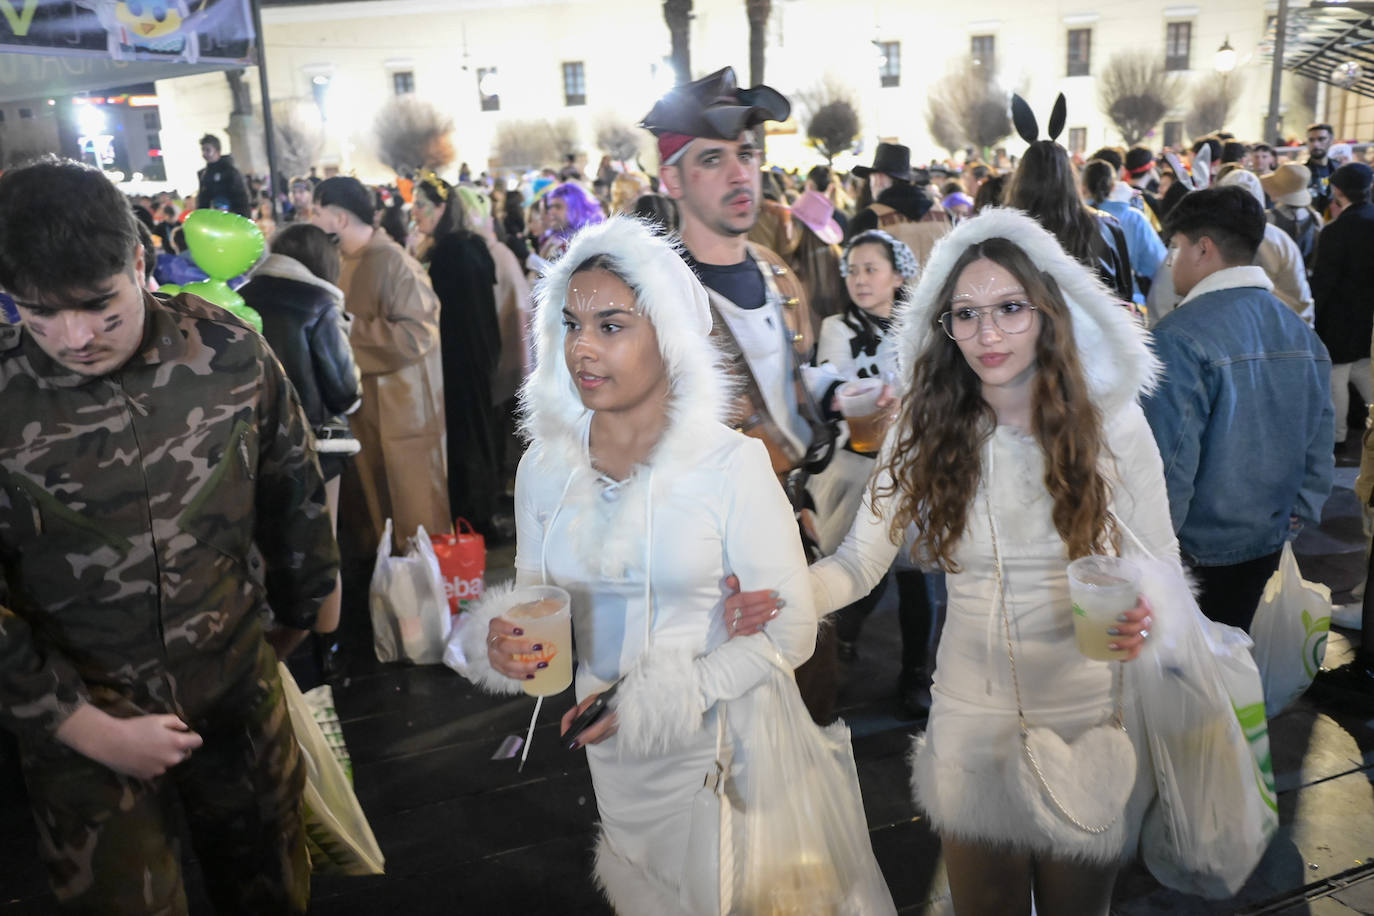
[590, 716]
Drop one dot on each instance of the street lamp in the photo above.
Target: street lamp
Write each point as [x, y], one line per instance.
[1225, 60]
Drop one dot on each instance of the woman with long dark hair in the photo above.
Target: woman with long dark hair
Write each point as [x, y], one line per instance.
[1045, 185]
[1020, 446]
[464, 278]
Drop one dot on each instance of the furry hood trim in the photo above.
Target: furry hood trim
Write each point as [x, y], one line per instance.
[1112, 345]
[672, 298]
[287, 268]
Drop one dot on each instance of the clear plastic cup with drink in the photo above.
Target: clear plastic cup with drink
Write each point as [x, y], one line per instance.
[867, 422]
[1101, 589]
[545, 614]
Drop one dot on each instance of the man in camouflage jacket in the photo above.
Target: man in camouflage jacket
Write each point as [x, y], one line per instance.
[147, 446]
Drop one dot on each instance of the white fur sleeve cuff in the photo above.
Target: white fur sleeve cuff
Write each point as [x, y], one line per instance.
[494, 603]
[659, 706]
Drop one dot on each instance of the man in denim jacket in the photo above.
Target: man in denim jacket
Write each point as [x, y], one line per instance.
[1243, 416]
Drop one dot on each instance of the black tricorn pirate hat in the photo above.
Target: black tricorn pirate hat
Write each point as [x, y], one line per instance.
[715, 106]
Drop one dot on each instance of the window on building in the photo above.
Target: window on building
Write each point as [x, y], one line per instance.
[574, 83]
[1080, 51]
[2, 116]
[403, 82]
[984, 51]
[1078, 140]
[25, 113]
[151, 121]
[890, 63]
[153, 141]
[1178, 45]
[319, 88]
[487, 89]
[1173, 134]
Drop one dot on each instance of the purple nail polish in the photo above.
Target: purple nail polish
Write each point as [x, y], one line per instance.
[519, 632]
[537, 647]
[529, 677]
[1113, 631]
[542, 665]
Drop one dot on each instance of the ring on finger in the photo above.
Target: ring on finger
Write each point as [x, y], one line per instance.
[1144, 635]
[491, 640]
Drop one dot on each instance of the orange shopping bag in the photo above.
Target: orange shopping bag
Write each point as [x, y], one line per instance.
[463, 564]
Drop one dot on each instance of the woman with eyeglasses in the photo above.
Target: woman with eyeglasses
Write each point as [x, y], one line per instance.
[1019, 447]
[464, 278]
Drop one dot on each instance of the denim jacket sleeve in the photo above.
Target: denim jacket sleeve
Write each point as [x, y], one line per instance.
[1177, 412]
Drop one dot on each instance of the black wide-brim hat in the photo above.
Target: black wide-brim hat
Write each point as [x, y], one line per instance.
[892, 159]
[715, 106]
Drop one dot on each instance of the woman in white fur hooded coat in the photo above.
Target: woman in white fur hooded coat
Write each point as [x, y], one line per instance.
[1016, 448]
[637, 500]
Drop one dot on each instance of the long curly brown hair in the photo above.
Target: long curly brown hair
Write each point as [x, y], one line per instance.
[935, 467]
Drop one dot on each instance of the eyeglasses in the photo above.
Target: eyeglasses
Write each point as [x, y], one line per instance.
[966, 321]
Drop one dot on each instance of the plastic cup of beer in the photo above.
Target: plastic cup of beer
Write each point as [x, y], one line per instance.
[859, 404]
[1101, 588]
[545, 614]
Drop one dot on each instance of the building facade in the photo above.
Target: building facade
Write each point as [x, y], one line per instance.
[571, 69]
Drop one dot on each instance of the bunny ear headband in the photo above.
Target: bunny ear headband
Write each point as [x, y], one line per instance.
[1028, 127]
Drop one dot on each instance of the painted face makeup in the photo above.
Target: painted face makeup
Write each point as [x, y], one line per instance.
[999, 358]
[90, 332]
[610, 348]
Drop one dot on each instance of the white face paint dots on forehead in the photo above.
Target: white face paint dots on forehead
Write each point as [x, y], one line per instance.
[985, 280]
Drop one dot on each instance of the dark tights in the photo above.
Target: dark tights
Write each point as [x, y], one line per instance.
[988, 881]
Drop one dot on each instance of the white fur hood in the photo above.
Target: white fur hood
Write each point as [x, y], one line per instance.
[672, 298]
[1112, 345]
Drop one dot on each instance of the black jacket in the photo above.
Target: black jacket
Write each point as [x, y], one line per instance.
[1343, 284]
[907, 199]
[222, 188]
[1111, 260]
[303, 321]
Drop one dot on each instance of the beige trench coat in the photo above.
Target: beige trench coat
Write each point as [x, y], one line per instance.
[401, 471]
[513, 308]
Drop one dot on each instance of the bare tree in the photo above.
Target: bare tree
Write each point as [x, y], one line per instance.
[968, 100]
[831, 116]
[412, 134]
[678, 15]
[1212, 101]
[1135, 92]
[563, 135]
[523, 144]
[942, 126]
[617, 138]
[299, 136]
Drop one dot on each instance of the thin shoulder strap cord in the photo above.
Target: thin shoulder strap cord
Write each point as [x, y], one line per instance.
[648, 557]
[548, 528]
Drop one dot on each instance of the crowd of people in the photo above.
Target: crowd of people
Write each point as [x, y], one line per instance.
[1064, 354]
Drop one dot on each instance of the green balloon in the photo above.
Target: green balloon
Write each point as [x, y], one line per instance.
[218, 292]
[171, 289]
[223, 245]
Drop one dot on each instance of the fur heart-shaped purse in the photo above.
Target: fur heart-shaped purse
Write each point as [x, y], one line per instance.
[1074, 789]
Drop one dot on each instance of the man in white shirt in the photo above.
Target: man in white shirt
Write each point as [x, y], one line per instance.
[708, 146]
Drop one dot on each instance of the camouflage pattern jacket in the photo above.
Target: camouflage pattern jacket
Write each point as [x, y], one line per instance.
[129, 508]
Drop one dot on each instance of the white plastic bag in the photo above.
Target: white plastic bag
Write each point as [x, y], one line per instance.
[1203, 709]
[802, 844]
[1290, 630]
[410, 616]
[337, 833]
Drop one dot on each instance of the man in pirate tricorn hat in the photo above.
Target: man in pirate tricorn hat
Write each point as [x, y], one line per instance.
[707, 133]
